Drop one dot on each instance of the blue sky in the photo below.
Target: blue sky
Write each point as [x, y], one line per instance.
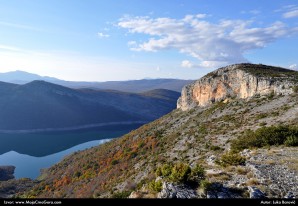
[101, 40]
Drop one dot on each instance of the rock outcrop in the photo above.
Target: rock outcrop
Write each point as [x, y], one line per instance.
[240, 81]
[219, 191]
[169, 190]
[6, 173]
[255, 193]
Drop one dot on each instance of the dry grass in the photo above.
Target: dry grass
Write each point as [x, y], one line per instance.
[241, 170]
[270, 162]
[273, 151]
[252, 181]
[250, 175]
[230, 169]
[292, 163]
[219, 176]
[254, 152]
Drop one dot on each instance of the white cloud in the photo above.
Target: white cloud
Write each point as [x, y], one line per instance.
[203, 64]
[201, 16]
[186, 64]
[293, 66]
[254, 12]
[289, 11]
[132, 43]
[9, 48]
[102, 35]
[19, 26]
[212, 44]
[158, 68]
[291, 14]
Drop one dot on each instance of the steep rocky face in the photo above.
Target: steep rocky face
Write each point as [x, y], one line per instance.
[240, 81]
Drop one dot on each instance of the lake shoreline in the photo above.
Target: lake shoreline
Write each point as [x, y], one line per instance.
[29, 131]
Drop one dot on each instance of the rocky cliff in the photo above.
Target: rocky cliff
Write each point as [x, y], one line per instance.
[240, 81]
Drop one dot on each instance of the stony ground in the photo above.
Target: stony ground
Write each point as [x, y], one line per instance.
[276, 170]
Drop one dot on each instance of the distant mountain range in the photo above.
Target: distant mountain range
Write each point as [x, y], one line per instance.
[43, 105]
[21, 77]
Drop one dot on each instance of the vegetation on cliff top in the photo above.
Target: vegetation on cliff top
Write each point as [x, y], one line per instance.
[261, 70]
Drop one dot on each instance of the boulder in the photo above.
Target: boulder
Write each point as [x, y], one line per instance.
[255, 193]
[169, 190]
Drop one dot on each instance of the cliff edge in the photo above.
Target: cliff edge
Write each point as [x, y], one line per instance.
[237, 81]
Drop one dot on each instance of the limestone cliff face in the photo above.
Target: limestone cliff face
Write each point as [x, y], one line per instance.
[240, 81]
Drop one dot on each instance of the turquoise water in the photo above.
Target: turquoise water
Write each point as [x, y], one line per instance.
[30, 153]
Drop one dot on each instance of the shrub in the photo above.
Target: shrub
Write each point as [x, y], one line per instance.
[197, 174]
[114, 162]
[266, 136]
[291, 141]
[273, 135]
[155, 186]
[215, 148]
[205, 185]
[247, 140]
[271, 95]
[262, 116]
[180, 172]
[158, 172]
[121, 195]
[202, 129]
[295, 89]
[166, 170]
[231, 159]
[77, 174]
[141, 183]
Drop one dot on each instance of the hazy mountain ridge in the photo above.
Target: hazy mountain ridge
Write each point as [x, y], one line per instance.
[139, 164]
[136, 86]
[43, 105]
[21, 77]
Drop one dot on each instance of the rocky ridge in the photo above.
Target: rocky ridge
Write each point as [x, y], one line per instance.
[237, 81]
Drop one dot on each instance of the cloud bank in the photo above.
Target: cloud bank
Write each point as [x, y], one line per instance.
[293, 67]
[212, 44]
[291, 11]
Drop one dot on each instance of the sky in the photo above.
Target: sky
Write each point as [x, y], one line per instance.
[104, 40]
